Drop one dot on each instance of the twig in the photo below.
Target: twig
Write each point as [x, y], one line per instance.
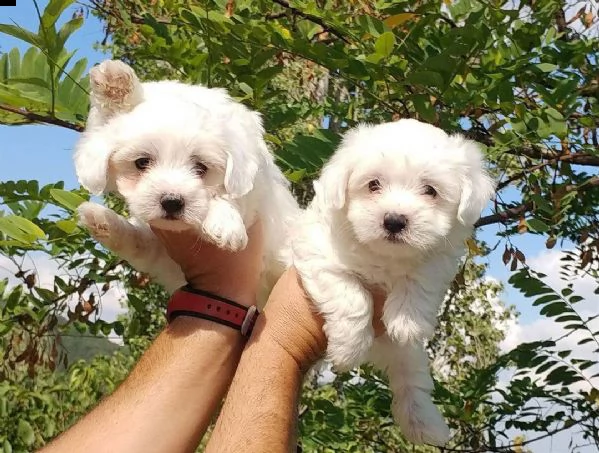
[577, 159]
[517, 211]
[37, 118]
[312, 18]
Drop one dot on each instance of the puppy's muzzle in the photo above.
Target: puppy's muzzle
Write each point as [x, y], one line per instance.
[172, 204]
[395, 223]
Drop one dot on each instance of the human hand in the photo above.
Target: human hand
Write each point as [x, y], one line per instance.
[289, 320]
[233, 275]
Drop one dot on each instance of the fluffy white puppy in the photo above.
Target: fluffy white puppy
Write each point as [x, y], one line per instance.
[393, 208]
[182, 156]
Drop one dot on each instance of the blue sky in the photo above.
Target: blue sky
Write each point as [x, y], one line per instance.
[42, 152]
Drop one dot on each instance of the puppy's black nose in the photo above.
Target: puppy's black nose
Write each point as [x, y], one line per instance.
[172, 204]
[394, 223]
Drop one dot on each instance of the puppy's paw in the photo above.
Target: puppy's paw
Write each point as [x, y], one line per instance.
[102, 223]
[419, 419]
[113, 83]
[224, 227]
[348, 347]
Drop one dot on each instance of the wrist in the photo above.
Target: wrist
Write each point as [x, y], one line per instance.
[302, 346]
[189, 327]
[228, 290]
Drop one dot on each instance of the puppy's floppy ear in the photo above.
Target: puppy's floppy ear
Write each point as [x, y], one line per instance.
[92, 154]
[246, 151]
[331, 187]
[477, 186]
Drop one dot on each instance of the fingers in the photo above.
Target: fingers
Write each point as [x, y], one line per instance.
[379, 296]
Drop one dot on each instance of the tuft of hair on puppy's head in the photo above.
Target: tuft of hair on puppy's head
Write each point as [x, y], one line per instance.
[168, 153]
[405, 185]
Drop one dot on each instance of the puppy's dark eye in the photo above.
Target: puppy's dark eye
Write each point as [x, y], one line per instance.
[430, 190]
[200, 169]
[143, 162]
[374, 185]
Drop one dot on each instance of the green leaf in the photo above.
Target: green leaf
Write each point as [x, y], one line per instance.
[69, 200]
[68, 226]
[424, 107]
[557, 122]
[246, 88]
[537, 225]
[21, 33]
[385, 43]
[547, 67]
[118, 327]
[53, 11]
[66, 31]
[554, 309]
[425, 78]
[21, 229]
[25, 432]
[36, 81]
[14, 297]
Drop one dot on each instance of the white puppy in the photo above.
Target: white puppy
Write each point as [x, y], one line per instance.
[182, 156]
[393, 208]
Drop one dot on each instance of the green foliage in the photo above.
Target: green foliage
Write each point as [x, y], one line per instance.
[515, 76]
[39, 86]
[34, 410]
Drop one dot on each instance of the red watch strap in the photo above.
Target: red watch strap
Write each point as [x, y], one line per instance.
[187, 301]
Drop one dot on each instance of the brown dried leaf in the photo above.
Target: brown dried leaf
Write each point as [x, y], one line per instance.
[587, 19]
[507, 255]
[514, 265]
[520, 256]
[551, 242]
[30, 280]
[87, 307]
[587, 257]
[583, 236]
[522, 228]
[230, 8]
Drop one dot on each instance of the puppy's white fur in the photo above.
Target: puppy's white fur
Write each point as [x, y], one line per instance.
[341, 248]
[197, 145]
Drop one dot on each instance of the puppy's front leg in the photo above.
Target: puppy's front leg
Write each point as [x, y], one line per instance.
[347, 310]
[224, 226]
[411, 383]
[136, 244]
[410, 313]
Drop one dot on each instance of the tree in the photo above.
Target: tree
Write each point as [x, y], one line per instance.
[520, 78]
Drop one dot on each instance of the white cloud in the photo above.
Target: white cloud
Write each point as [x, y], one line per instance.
[548, 262]
[542, 328]
[45, 269]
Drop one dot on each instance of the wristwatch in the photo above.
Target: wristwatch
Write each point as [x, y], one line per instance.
[188, 301]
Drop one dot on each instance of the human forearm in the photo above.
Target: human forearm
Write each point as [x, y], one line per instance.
[260, 411]
[167, 402]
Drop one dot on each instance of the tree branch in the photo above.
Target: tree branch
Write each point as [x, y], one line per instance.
[315, 19]
[577, 159]
[502, 216]
[517, 211]
[37, 118]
